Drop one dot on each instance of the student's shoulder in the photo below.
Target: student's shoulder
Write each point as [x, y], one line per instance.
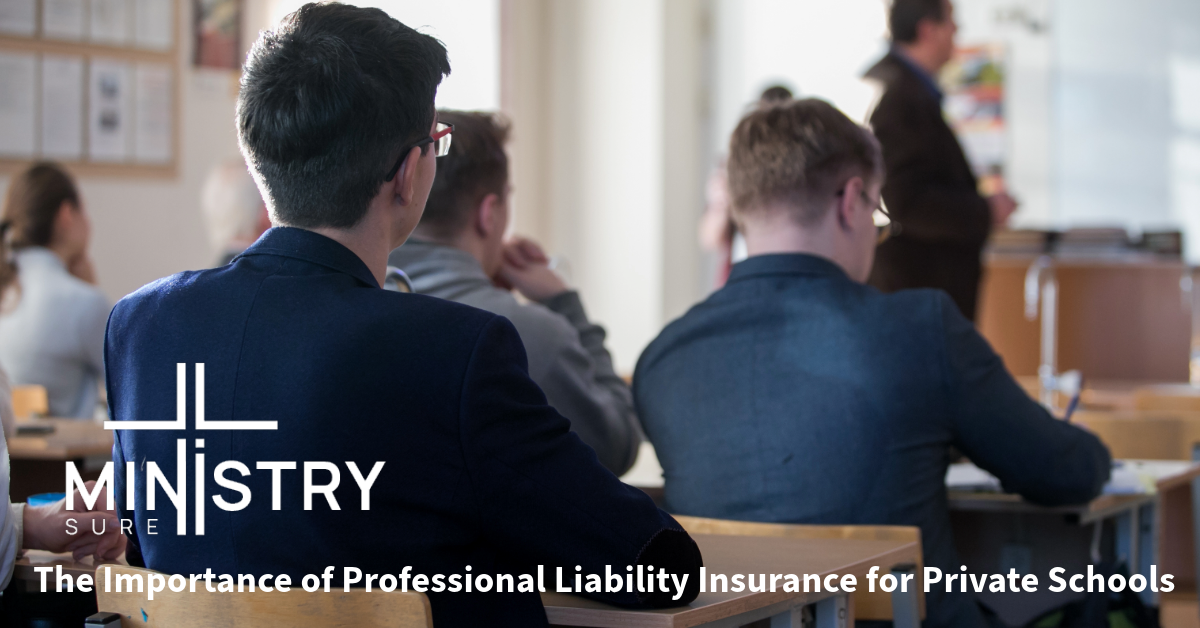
[913, 308]
[159, 289]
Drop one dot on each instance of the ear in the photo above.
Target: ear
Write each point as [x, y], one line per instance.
[404, 183]
[847, 201]
[65, 215]
[488, 217]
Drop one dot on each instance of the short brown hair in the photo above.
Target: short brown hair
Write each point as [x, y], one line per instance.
[798, 153]
[475, 167]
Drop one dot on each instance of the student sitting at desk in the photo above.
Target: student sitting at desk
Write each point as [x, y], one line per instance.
[461, 251]
[52, 320]
[798, 394]
[45, 527]
[336, 118]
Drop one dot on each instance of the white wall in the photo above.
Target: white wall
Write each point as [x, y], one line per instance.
[606, 163]
[1126, 102]
[816, 47]
[149, 228]
[470, 30]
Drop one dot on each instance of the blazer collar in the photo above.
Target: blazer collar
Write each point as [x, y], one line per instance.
[927, 80]
[785, 264]
[311, 247]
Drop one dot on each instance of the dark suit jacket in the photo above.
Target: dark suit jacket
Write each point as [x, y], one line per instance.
[797, 395]
[479, 470]
[930, 191]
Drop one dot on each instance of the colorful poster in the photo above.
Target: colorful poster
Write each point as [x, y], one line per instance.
[974, 85]
[218, 27]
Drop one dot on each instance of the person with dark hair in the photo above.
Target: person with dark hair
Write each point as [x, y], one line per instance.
[774, 95]
[466, 464]
[52, 321]
[459, 252]
[931, 191]
[835, 403]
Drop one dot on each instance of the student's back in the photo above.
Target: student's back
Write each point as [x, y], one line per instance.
[794, 394]
[798, 394]
[478, 471]
[475, 473]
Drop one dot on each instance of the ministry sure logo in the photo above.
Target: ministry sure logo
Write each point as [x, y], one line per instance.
[177, 493]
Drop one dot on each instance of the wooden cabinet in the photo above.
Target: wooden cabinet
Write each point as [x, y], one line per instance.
[1122, 319]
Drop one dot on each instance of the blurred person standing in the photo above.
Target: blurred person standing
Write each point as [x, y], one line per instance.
[459, 253]
[718, 233]
[931, 192]
[234, 211]
[52, 321]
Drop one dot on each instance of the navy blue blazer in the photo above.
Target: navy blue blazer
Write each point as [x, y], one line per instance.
[797, 395]
[478, 471]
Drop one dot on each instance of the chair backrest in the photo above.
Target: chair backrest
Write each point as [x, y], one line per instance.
[1144, 434]
[867, 605]
[260, 609]
[29, 400]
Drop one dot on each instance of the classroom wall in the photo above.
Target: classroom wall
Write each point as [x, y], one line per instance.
[608, 107]
[144, 229]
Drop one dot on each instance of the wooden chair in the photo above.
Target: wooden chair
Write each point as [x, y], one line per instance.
[260, 609]
[867, 605]
[30, 400]
[1145, 434]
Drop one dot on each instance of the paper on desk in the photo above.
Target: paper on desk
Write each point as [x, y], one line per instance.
[17, 115]
[1129, 477]
[62, 107]
[965, 476]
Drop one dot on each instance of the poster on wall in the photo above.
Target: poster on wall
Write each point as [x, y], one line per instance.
[218, 27]
[152, 119]
[109, 100]
[18, 17]
[974, 85]
[62, 107]
[63, 19]
[17, 113]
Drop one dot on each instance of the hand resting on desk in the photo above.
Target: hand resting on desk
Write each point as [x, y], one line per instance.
[50, 528]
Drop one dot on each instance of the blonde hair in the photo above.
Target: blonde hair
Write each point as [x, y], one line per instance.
[798, 153]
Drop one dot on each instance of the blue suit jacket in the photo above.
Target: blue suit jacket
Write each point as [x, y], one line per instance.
[478, 470]
[795, 394]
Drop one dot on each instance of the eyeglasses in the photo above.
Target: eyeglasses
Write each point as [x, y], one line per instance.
[884, 226]
[440, 139]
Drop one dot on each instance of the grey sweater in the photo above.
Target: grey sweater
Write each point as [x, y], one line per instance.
[566, 351]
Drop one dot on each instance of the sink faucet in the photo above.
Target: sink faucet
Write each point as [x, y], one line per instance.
[1040, 281]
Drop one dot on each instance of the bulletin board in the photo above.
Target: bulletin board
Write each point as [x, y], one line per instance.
[91, 84]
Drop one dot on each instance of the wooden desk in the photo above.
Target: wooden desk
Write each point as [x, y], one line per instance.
[994, 530]
[72, 439]
[757, 555]
[37, 461]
